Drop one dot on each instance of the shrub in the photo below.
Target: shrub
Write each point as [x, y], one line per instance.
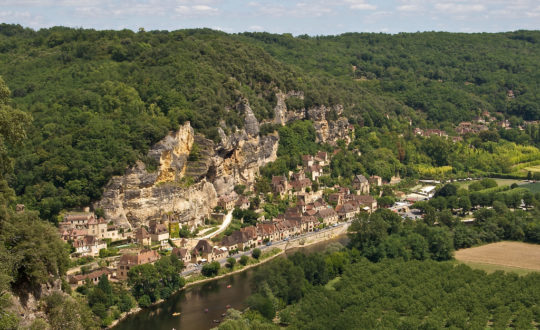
[256, 253]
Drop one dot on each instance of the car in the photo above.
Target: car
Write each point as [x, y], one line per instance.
[269, 243]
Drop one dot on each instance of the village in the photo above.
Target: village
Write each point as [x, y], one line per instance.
[312, 208]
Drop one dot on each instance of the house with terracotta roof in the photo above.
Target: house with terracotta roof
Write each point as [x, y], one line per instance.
[73, 234]
[97, 227]
[307, 160]
[301, 185]
[267, 232]
[322, 158]
[77, 220]
[336, 198]
[129, 260]
[316, 171]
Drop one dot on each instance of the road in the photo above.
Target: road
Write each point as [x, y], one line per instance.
[224, 225]
[325, 233]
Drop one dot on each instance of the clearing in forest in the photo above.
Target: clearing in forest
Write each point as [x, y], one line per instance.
[502, 256]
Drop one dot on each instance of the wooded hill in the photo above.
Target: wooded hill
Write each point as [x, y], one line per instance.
[99, 99]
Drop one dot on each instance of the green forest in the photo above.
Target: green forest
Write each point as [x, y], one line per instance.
[397, 274]
[99, 99]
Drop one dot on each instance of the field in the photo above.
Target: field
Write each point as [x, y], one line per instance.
[517, 257]
[500, 182]
[533, 168]
[533, 187]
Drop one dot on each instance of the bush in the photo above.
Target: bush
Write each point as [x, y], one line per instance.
[244, 260]
[256, 253]
[211, 269]
[144, 301]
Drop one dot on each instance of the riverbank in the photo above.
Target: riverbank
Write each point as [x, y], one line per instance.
[284, 246]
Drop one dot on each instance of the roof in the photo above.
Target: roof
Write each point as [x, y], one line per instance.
[360, 178]
[139, 258]
[203, 246]
[95, 274]
[142, 233]
[326, 213]
[179, 252]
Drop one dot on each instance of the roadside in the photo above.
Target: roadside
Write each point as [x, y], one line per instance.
[223, 227]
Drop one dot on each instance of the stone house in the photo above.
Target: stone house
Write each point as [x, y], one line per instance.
[361, 184]
[375, 180]
[129, 260]
[142, 237]
[242, 203]
[93, 276]
[182, 254]
[328, 216]
[89, 245]
[280, 185]
[347, 211]
[226, 202]
[307, 160]
[158, 233]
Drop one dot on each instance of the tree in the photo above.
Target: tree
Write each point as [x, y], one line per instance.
[244, 260]
[211, 269]
[144, 280]
[464, 203]
[231, 262]
[256, 253]
[263, 305]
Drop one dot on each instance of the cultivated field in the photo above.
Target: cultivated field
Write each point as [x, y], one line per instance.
[507, 256]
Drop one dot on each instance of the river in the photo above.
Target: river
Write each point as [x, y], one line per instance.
[193, 301]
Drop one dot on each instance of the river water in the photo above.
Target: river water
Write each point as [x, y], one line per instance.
[213, 296]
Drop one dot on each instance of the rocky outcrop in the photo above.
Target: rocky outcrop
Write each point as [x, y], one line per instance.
[186, 188]
[328, 130]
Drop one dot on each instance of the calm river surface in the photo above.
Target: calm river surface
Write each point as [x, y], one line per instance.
[193, 301]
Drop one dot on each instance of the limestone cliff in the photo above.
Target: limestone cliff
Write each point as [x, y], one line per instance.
[185, 188]
[327, 130]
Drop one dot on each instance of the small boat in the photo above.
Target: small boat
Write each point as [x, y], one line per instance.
[216, 321]
[228, 306]
[206, 310]
[229, 286]
[176, 314]
[224, 314]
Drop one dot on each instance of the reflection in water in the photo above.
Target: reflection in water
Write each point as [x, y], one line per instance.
[213, 296]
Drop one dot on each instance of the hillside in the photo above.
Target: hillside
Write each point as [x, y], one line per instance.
[100, 99]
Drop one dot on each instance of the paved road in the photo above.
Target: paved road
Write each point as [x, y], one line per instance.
[284, 244]
[224, 225]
